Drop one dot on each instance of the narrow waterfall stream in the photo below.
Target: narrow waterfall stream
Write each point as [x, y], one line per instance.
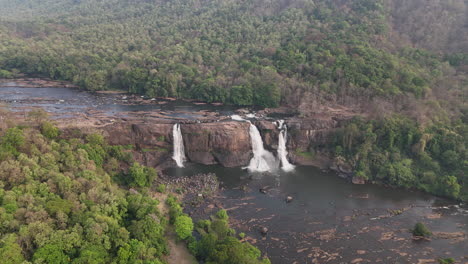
[282, 151]
[179, 150]
[262, 160]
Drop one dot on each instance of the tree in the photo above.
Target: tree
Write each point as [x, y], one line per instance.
[141, 176]
[242, 95]
[50, 254]
[448, 186]
[12, 140]
[49, 130]
[38, 115]
[10, 251]
[183, 226]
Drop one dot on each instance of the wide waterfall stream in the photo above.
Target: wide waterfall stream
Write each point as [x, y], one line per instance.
[262, 160]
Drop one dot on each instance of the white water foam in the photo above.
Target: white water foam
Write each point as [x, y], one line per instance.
[262, 160]
[282, 151]
[179, 150]
[237, 118]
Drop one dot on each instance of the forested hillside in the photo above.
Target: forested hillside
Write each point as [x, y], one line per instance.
[375, 57]
[260, 52]
[76, 199]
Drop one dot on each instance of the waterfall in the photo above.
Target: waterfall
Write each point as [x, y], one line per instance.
[282, 151]
[262, 160]
[179, 150]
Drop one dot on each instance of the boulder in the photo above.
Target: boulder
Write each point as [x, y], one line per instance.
[358, 180]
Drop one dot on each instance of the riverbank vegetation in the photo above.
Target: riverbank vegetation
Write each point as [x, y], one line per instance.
[398, 151]
[78, 200]
[218, 243]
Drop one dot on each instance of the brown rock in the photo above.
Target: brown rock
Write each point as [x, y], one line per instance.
[226, 143]
[358, 180]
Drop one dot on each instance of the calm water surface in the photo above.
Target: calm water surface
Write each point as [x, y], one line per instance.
[67, 100]
[331, 220]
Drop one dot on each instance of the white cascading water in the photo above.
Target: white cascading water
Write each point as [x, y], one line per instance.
[282, 151]
[179, 150]
[237, 118]
[262, 160]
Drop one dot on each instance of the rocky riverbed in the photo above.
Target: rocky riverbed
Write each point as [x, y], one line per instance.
[330, 220]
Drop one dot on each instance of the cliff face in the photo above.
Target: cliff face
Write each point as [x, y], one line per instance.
[226, 143]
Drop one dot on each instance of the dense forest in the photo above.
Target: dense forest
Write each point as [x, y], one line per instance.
[79, 200]
[404, 64]
[263, 53]
[395, 151]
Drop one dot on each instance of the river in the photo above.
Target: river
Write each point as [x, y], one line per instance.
[329, 219]
[61, 102]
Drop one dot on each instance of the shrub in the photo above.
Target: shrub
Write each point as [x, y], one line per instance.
[222, 214]
[95, 139]
[161, 188]
[421, 230]
[447, 261]
[183, 226]
[49, 130]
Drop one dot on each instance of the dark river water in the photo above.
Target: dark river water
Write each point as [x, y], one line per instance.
[329, 220]
[333, 221]
[62, 101]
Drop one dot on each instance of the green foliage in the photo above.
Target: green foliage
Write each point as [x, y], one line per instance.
[161, 188]
[398, 152]
[183, 226]
[141, 176]
[242, 95]
[247, 54]
[222, 214]
[446, 260]
[50, 254]
[175, 210]
[12, 141]
[421, 230]
[57, 205]
[5, 74]
[218, 244]
[49, 130]
[10, 251]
